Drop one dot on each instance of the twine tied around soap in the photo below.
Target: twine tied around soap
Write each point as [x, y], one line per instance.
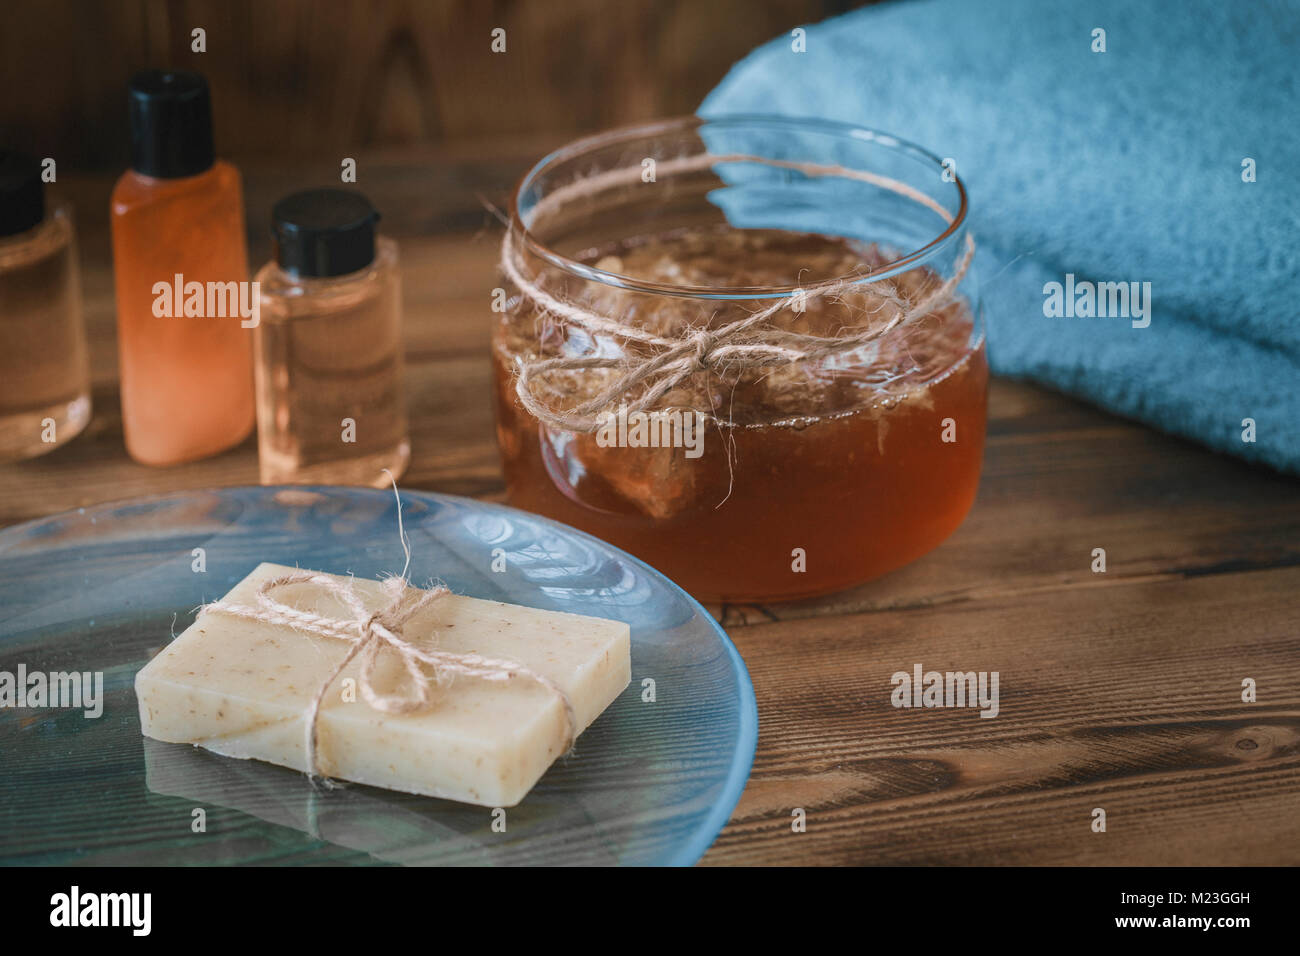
[369, 632]
[748, 343]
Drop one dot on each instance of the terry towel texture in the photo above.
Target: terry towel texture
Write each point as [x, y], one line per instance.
[1116, 166]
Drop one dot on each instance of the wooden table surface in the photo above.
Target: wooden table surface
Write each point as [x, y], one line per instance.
[1120, 690]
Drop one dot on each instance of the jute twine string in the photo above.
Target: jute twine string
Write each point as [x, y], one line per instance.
[747, 343]
[368, 632]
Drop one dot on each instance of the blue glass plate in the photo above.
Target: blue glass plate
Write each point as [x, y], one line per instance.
[103, 589]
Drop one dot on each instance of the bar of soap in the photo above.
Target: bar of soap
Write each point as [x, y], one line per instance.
[241, 688]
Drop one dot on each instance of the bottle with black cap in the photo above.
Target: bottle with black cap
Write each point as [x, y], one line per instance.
[328, 349]
[185, 308]
[44, 372]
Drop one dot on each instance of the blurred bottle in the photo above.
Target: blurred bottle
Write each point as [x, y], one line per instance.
[178, 219]
[44, 373]
[330, 404]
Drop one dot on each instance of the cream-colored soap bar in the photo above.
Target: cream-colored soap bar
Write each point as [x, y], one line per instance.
[242, 688]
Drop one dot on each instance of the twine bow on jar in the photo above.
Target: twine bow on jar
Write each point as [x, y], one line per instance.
[747, 343]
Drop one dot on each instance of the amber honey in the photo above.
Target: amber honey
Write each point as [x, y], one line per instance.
[811, 478]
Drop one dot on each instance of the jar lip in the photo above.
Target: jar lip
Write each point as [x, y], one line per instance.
[577, 147]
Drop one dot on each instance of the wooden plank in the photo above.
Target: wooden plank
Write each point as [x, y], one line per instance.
[296, 78]
[1126, 698]
[453, 437]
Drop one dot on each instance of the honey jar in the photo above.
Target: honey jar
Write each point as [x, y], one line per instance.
[748, 351]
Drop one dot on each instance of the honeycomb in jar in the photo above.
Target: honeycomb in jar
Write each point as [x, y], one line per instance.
[874, 379]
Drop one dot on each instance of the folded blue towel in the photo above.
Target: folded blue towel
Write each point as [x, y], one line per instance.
[1128, 165]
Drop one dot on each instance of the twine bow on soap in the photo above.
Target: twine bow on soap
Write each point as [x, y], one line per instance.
[369, 632]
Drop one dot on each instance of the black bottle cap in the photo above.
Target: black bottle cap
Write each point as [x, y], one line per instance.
[324, 232]
[22, 194]
[171, 124]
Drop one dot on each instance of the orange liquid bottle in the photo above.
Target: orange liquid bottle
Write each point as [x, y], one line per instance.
[178, 226]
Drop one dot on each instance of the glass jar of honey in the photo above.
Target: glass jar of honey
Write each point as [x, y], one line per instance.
[747, 350]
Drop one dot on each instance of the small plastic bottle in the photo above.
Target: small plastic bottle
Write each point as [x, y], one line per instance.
[44, 372]
[328, 349]
[178, 219]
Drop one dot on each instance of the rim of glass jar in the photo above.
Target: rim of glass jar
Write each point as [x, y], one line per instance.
[577, 147]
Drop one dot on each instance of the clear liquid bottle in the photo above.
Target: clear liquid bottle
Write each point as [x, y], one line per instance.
[178, 224]
[328, 347]
[44, 371]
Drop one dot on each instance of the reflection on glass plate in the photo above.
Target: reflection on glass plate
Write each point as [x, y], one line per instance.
[103, 589]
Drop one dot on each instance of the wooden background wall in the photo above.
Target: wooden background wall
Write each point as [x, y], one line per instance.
[301, 77]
